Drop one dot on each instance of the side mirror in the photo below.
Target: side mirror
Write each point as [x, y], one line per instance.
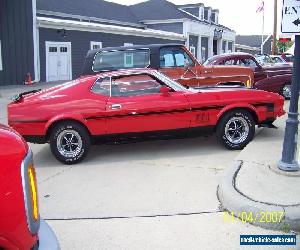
[164, 90]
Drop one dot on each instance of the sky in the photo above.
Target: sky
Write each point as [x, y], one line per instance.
[239, 15]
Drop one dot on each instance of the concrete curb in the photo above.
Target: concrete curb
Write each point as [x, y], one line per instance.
[234, 201]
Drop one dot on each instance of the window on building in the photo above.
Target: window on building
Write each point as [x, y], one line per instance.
[213, 17]
[1, 65]
[174, 57]
[206, 15]
[224, 43]
[230, 47]
[202, 14]
[96, 45]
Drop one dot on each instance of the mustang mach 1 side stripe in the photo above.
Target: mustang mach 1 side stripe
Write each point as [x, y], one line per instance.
[155, 112]
[28, 121]
[270, 108]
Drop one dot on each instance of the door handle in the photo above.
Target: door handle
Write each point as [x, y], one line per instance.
[116, 106]
[208, 71]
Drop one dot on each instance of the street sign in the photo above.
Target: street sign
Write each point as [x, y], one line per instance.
[290, 22]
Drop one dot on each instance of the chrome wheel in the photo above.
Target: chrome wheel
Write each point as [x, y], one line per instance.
[236, 130]
[286, 91]
[69, 143]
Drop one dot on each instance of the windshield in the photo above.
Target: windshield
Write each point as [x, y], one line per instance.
[174, 85]
[264, 59]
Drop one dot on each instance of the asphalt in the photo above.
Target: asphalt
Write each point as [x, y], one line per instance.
[254, 189]
[169, 202]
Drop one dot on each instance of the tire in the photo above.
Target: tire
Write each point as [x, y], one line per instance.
[285, 91]
[236, 129]
[69, 142]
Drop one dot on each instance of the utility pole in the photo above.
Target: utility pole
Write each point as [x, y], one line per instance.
[274, 47]
[289, 24]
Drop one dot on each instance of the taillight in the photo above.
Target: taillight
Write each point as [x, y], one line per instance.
[30, 193]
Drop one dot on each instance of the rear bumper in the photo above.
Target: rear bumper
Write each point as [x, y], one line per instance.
[47, 238]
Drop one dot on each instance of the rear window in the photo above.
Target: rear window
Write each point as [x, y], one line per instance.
[114, 60]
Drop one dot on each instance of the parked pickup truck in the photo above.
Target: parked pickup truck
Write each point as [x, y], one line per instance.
[273, 78]
[21, 226]
[174, 60]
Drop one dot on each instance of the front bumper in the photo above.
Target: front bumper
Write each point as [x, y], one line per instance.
[47, 238]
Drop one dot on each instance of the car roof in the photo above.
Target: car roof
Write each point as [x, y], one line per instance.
[91, 53]
[232, 54]
[126, 72]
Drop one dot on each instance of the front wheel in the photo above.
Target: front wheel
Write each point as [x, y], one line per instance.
[69, 142]
[236, 129]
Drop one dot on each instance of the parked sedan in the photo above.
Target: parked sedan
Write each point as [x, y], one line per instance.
[139, 103]
[273, 78]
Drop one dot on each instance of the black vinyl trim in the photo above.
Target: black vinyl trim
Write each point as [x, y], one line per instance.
[38, 139]
[28, 121]
[154, 113]
[153, 135]
[269, 106]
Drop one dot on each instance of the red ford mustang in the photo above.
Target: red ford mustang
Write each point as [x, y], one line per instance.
[137, 104]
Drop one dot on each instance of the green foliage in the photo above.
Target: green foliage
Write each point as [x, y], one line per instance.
[282, 47]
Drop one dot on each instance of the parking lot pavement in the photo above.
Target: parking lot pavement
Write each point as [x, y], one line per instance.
[202, 231]
[149, 195]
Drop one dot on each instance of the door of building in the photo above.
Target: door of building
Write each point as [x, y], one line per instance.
[58, 61]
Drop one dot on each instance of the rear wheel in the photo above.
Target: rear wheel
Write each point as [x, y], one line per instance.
[69, 142]
[236, 129]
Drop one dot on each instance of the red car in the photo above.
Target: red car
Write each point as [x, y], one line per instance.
[139, 103]
[20, 224]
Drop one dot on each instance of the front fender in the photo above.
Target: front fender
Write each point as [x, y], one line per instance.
[67, 116]
[249, 107]
[274, 83]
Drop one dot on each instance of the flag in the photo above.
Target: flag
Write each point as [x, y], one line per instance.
[261, 7]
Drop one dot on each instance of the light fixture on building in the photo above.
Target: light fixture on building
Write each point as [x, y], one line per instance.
[62, 32]
[218, 33]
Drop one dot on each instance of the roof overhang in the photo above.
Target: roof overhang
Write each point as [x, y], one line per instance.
[53, 23]
[241, 46]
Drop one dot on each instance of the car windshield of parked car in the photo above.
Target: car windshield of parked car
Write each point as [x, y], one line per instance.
[174, 57]
[278, 59]
[264, 59]
[114, 60]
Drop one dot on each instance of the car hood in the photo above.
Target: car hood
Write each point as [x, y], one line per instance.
[12, 143]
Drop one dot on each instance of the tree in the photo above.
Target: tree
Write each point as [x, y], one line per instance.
[283, 46]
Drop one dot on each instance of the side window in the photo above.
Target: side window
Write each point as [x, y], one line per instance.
[166, 58]
[102, 86]
[174, 57]
[229, 62]
[136, 85]
[249, 63]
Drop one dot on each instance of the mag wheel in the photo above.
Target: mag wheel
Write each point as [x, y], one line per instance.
[286, 92]
[236, 129]
[69, 142]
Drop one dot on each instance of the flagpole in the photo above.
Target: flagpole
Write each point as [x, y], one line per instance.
[263, 30]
